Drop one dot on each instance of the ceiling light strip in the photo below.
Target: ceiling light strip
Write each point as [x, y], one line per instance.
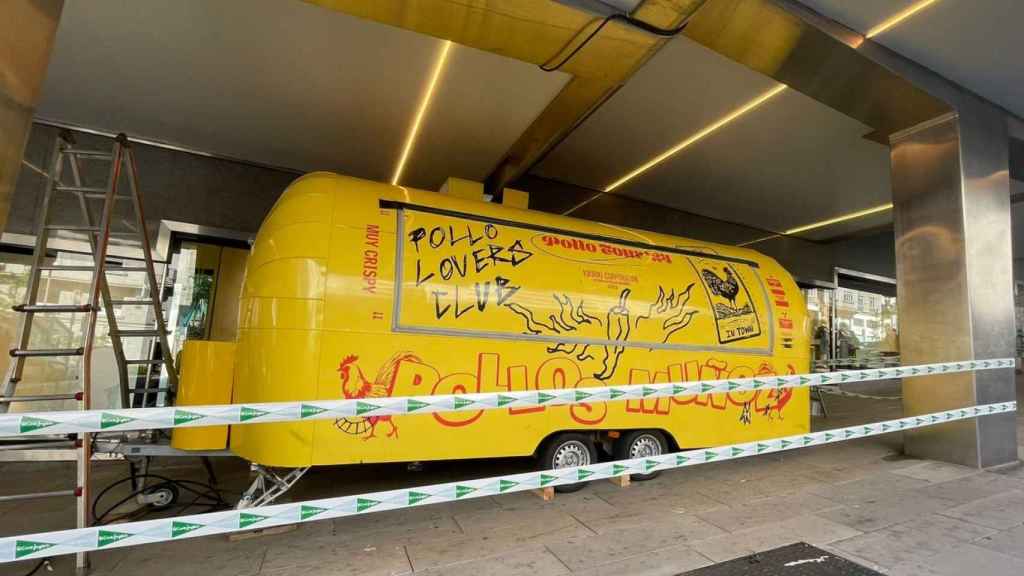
[698, 136]
[838, 219]
[899, 17]
[428, 95]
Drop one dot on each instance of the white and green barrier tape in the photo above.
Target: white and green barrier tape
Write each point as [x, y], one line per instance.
[146, 532]
[74, 421]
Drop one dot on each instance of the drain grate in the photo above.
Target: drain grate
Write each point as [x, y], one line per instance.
[799, 559]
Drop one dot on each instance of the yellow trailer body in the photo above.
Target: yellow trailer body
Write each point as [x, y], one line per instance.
[357, 289]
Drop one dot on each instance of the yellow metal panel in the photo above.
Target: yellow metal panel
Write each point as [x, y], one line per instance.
[496, 299]
[515, 198]
[207, 369]
[462, 188]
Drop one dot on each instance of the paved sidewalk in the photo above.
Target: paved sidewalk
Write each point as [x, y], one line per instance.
[860, 499]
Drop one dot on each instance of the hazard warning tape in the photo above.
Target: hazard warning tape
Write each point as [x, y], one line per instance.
[75, 421]
[150, 531]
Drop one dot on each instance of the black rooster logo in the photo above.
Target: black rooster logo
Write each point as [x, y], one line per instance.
[727, 288]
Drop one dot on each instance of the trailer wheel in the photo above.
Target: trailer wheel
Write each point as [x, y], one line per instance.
[566, 450]
[641, 444]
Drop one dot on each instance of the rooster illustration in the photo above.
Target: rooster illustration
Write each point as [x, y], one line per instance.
[354, 384]
[728, 288]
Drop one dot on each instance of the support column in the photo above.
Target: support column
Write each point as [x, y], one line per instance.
[27, 30]
[950, 180]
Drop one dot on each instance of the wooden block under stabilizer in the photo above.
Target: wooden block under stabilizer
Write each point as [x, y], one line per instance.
[547, 494]
[620, 481]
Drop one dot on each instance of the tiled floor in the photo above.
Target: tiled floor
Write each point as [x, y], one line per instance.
[860, 499]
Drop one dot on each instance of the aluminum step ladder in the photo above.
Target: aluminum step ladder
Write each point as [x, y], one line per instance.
[121, 166]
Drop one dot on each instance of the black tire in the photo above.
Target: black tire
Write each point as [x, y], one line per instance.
[638, 444]
[573, 449]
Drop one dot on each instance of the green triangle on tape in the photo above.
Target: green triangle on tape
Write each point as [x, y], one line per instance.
[919, 421]
[762, 447]
[680, 459]
[546, 479]
[582, 474]
[732, 386]
[179, 528]
[678, 389]
[364, 407]
[828, 436]
[415, 497]
[868, 430]
[307, 511]
[844, 376]
[736, 451]
[808, 439]
[581, 395]
[865, 375]
[825, 378]
[848, 433]
[647, 391]
[23, 548]
[885, 427]
[365, 504]
[649, 465]
[461, 491]
[804, 380]
[930, 369]
[543, 397]
[108, 420]
[780, 381]
[618, 469]
[503, 400]
[108, 537]
[30, 423]
[307, 410]
[412, 405]
[759, 383]
[785, 443]
[915, 371]
[246, 413]
[506, 484]
[706, 387]
[183, 416]
[709, 455]
[247, 519]
[615, 393]
[461, 402]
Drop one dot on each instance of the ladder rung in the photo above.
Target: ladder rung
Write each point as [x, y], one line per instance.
[131, 302]
[68, 268]
[104, 195]
[127, 269]
[41, 398]
[83, 189]
[144, 362]
[135, 333]
[93, 154]
[18, 353]
[55, 308]
[73, 228]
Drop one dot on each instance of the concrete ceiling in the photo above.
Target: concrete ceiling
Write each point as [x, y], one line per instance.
[289, 84]
[788, 163]
[975, 43]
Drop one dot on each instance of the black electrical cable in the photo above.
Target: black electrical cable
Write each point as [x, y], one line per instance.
[635, 22]
[211, 493]
[36, 568]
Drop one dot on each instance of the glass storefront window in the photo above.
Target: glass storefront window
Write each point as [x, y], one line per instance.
[60, 375]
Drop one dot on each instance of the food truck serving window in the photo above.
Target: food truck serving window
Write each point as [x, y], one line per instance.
[461, 274]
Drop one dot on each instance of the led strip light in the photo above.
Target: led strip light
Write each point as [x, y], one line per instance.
[47, 544]
[76, 421]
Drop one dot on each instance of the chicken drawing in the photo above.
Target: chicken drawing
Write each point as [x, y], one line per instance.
[354, 384]
[728, 288]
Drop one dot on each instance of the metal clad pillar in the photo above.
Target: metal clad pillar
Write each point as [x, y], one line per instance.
[951, 191]
[27, 30]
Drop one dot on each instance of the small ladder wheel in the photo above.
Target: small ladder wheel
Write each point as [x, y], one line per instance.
[162, 495]
[641, 444]
[566, 450]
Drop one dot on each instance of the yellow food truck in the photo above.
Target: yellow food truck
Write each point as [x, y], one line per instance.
[358, 289]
